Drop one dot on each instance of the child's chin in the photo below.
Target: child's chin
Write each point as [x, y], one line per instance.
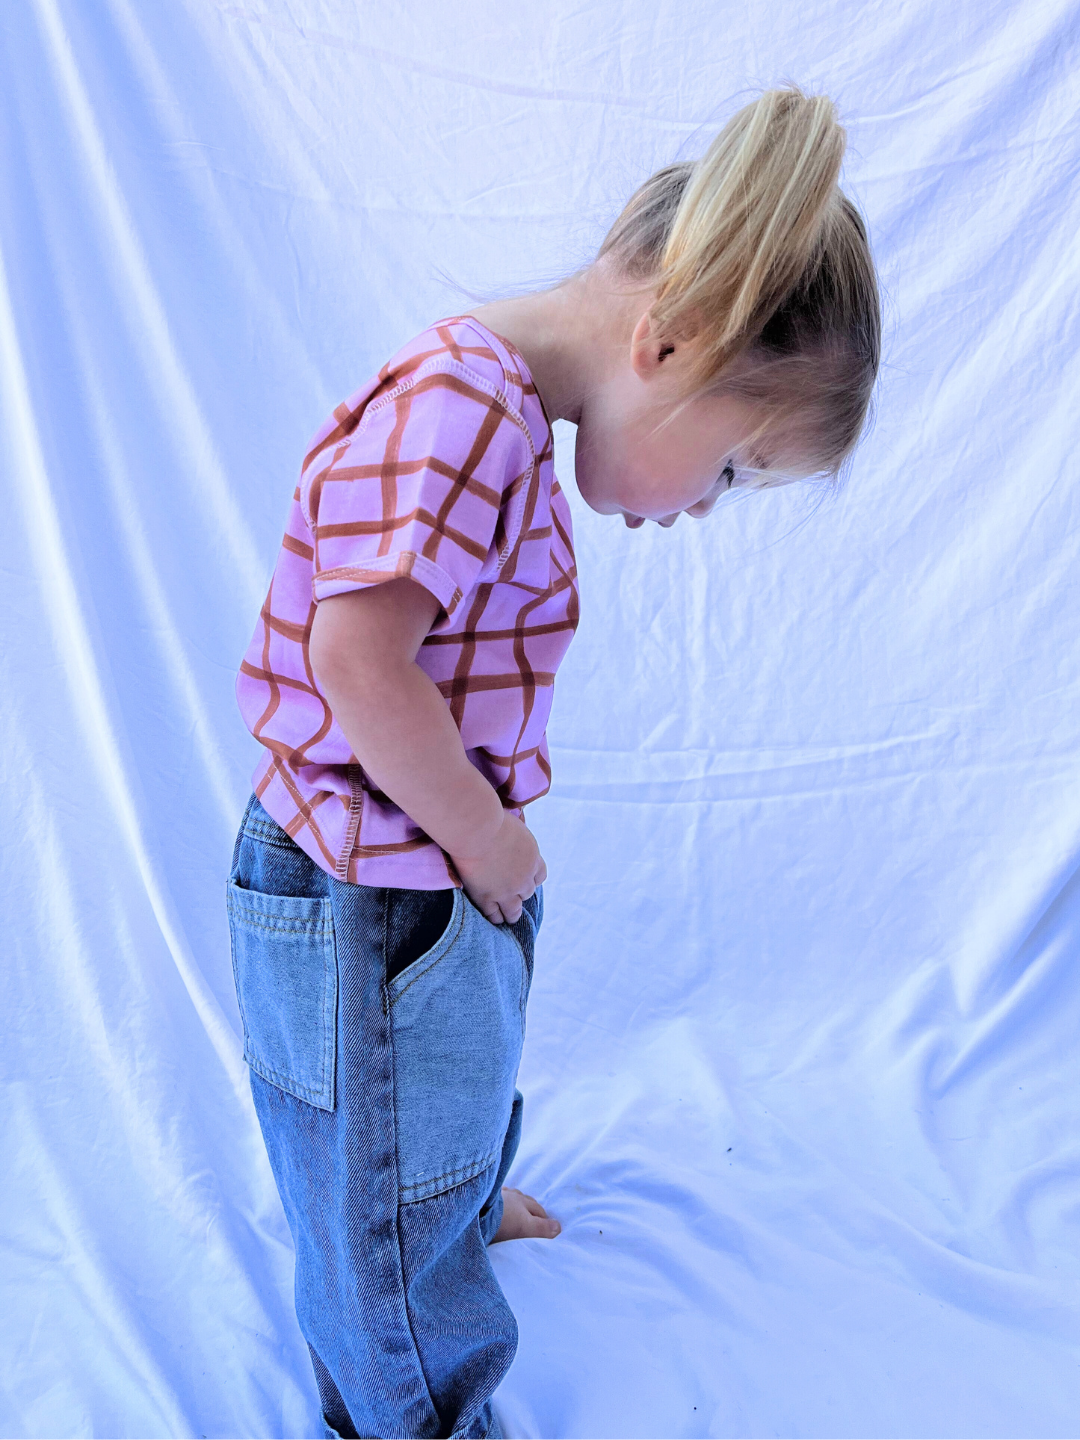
[588, 493]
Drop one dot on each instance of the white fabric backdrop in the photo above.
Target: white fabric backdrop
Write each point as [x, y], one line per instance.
[801, 1062]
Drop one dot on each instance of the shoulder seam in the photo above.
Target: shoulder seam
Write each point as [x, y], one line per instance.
[501, 351]
[447, 364]
[463, 372]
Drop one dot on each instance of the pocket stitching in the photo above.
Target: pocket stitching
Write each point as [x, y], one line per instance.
[256, 830]
[329, 1064]
[419, 1184]
[313, 907]
[522, 993]
[321, 929]
[287, 927]
[469, 1171]
[438, 952]
[287, 1083]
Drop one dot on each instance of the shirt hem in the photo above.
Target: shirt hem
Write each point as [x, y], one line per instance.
[405, 564]
[424, 868]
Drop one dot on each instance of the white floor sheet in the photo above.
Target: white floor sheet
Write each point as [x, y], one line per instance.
[801, 1066]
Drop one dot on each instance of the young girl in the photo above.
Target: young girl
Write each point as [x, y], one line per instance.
[385, 892]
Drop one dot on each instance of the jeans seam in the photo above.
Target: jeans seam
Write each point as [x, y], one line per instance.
[330, 1029]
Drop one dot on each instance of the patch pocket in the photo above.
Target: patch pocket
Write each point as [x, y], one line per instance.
[285, 967]
[457, 1025]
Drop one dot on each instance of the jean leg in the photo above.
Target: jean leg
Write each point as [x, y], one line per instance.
[337, 1422]
[337, 1176]
[457, 1024]
[465, 1330]
[408, 1329]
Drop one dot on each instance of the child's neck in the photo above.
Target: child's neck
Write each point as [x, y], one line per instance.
[571, 337]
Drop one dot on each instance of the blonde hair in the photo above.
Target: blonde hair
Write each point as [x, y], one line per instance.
[759, 259]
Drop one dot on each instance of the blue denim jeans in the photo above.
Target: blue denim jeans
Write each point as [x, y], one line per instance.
[383, 1030]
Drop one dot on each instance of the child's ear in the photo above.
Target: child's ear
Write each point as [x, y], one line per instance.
[648, 350]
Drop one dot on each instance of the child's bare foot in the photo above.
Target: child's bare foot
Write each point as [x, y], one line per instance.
[525, 1218]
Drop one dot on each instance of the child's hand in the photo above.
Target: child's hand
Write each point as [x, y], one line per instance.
[504, 874]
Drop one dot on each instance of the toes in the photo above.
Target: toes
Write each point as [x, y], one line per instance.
[541, 1224]
[526, 1218]
[542, 1228]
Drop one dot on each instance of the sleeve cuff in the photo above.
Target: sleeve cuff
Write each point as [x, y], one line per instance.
[405, 565]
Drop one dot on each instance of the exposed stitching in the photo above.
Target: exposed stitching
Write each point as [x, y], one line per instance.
[390, 568]
[441, 946]
[324, 1097]
[256, 830]
[237, 903]
[275, 844]
[283, 927]
[439, 364]
[352, 826]
[236, 974]
[522, 998]
[388, 1037]
[282, 1081]
[330, 973]
[468, 1171]
[387, 1002]
[268, 827]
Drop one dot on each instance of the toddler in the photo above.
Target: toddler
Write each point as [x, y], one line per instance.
[385, 893]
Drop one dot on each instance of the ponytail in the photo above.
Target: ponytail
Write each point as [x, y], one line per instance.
[757, 258]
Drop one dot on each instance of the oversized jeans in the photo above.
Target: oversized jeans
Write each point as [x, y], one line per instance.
[383, 1030]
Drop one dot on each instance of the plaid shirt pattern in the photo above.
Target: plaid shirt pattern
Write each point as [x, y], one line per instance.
[440, 468]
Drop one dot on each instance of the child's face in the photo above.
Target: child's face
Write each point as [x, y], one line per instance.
[641, 456]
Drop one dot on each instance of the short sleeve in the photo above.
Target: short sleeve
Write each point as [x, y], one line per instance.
[425, 488]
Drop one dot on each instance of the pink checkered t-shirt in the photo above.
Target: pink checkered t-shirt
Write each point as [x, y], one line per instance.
[440, 469]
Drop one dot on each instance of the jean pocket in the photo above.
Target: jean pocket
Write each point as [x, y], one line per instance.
[456, 1018]
[285, 966]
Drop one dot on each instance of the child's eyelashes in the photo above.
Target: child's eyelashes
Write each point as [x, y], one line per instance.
[739, 477]
[736, 479]
[743, 477]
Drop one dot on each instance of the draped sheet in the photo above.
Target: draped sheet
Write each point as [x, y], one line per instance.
[801, 1061]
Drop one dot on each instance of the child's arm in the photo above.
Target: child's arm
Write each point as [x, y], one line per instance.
[363, 650]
